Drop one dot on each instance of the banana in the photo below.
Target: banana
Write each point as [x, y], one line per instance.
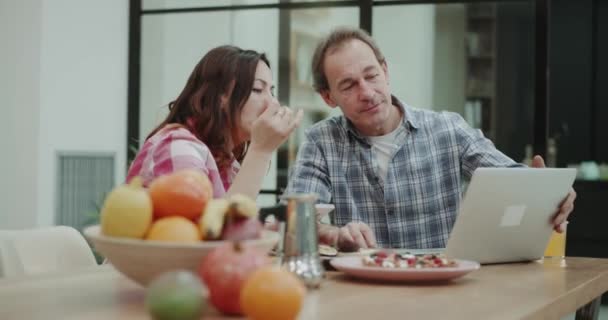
[212, 220]
[243, 206]
[219, 212]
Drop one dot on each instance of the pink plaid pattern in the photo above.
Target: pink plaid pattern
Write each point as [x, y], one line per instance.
[173, 148]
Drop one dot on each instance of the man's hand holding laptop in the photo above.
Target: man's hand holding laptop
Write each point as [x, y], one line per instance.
[560, 219]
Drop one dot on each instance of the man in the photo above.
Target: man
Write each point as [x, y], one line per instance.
[393, 172]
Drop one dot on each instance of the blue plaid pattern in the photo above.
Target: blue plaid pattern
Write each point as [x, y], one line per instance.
[417, 205]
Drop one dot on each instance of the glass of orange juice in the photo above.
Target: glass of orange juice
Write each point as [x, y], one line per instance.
[557, 245]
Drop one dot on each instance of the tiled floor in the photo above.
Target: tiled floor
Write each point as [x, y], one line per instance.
[602, 316]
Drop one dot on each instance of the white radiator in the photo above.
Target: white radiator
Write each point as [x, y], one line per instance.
[83, 180]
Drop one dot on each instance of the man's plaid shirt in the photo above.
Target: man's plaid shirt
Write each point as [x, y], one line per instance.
[417, 204]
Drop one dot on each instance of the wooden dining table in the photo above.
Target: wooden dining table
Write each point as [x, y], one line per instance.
[543, 289]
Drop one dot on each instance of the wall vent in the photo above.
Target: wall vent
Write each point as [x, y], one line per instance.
[83, 180]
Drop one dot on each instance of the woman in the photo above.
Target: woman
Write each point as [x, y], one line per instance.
[226, 123]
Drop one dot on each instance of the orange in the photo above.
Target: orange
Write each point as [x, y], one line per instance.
[174, 229]
[183, 193]
[272, 293]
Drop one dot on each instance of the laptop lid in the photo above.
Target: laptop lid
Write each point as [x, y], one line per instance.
[506, 214]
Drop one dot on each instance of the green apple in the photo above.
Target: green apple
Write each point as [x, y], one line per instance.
[176, 295]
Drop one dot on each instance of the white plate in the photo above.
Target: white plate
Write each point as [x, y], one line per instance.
[353, 265]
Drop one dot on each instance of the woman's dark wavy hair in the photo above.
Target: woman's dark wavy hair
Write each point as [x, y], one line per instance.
[225, 71]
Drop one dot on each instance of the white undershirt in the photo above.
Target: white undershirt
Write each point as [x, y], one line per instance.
[383, 148]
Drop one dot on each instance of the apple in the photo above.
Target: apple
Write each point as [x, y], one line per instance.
[225, 269]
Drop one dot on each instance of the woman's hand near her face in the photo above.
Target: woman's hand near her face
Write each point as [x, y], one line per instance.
[268, 132]
[273, 127]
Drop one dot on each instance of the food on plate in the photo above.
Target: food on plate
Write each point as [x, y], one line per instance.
[176, 295]
[182, 193]
[234, 218]
[127, 211]
[272, 293]
[327, 251]
[390, 259]
[174, 229]
[225, 269]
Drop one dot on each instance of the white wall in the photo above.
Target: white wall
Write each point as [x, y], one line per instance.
[70, 93]
[19, 91]
[83, 92]
[406, 36]
[449, 72]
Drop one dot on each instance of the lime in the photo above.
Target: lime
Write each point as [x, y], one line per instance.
[176, 295]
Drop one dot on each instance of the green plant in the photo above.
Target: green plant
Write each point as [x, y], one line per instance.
[133, 150]
[92, 218]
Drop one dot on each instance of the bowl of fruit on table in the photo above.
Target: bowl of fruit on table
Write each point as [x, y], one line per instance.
[173, 225]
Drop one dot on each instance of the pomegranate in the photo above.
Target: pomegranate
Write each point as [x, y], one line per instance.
[224, 271]
[238, 229]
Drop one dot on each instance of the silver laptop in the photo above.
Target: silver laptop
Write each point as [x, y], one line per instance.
[506, 214]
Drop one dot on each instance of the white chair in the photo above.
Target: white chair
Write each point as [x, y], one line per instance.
[41, 250]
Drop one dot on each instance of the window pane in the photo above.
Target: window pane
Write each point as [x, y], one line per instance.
[473, 59]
